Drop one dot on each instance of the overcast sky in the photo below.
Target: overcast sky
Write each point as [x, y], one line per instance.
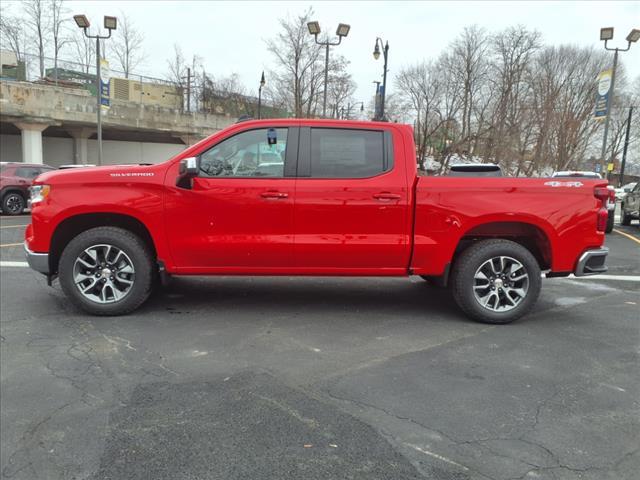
[230, 36]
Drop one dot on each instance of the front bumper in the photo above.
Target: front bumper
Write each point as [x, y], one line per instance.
[37, 261]
[592, 262]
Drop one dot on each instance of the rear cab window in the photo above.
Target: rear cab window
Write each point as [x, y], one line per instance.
[344, 153]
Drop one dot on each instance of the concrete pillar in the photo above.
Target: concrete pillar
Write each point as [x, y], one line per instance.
[80, 137]
[31, 141]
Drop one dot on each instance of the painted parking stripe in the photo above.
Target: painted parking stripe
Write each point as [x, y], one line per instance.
[630, 237]
[11, 244]
[13, 264]
[621, 278]
[13, 226]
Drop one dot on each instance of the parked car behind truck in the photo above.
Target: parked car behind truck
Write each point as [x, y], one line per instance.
[346, 200]
[15, 180]
[630, 206]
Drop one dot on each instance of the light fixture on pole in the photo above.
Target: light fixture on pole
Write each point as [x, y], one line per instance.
[606, 34]
[262, 82]
[110, 24]
[376, 55]
[341, 31]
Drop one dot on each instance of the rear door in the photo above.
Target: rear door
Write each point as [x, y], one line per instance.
[352, 202]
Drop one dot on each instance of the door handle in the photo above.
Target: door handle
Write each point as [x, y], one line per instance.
[274, 195]
[386, 196]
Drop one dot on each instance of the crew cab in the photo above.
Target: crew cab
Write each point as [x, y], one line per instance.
[311, 197]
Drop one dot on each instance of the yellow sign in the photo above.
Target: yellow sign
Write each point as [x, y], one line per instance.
[602, 97]
[610, 167]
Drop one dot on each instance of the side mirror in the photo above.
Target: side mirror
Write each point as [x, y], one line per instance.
[189, 168]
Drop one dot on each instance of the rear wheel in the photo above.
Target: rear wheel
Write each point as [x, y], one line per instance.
[496, 281]
[13, 203]
[107, 271]
[626, 219]
[610, 222]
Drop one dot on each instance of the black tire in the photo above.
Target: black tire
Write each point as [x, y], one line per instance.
[472, 259]
[13, 203]
[129, 243]
[610, 222]
[626, 219]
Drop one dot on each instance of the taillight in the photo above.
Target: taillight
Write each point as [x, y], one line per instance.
[603, 216]
[603, 194]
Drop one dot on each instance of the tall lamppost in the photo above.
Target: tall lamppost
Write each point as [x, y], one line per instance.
[262, 82]
[376, 55]
[341, 31]
[606, 34]
[110, 23]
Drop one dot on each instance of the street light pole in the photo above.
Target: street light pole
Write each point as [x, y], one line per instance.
[376, 55]
[262, 82]
[110, 23]
[606, 34]
[342, 31]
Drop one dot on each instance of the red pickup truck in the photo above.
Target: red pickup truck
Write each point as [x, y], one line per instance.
[311, 197]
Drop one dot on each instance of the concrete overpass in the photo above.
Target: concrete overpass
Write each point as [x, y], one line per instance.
[57, 125]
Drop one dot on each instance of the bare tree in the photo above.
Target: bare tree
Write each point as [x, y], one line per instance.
[341, 86]
[37, 22]
[128, 45]
[295, 82]
[178, 74]
[83, 50]
[470, 68]
[58, 20]
[12, 34]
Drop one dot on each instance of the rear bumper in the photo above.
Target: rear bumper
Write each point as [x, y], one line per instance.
[37, 261]
[592, 262]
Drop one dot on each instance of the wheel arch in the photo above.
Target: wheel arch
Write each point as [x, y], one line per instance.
[530, 236]
[72, 226]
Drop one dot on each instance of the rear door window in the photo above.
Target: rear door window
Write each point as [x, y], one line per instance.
[343, 153]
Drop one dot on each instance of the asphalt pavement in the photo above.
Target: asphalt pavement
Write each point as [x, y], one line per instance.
[320, 378]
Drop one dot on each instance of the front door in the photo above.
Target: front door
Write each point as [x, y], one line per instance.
[238, 215]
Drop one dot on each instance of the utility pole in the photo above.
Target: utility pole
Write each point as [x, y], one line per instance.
[626, 145]
[262, 82]
[188, 89]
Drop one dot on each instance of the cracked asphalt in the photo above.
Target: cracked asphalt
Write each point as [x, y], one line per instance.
[318, 378]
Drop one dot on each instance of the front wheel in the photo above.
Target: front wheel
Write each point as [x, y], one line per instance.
[106, 271]
[496, 281]
[13, 204]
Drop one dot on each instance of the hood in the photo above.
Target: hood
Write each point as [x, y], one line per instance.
[110, 173]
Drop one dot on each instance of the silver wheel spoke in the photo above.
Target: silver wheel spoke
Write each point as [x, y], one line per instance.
[104, 273]
[85, 290]
[496, 288]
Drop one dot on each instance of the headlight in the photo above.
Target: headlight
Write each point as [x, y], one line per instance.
[39, 193]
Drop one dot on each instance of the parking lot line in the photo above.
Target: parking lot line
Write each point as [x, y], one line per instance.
[10, 244]
[622, 278]
[5, 263]
[630, 237]
[14, 226]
